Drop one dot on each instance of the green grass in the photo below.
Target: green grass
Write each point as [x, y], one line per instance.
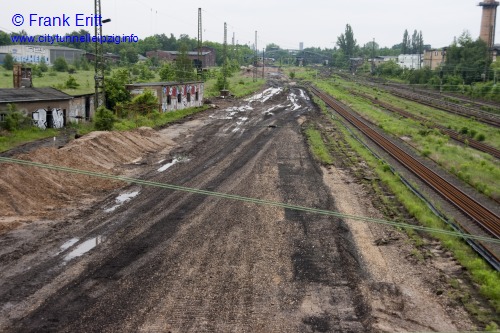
[155, 120]
[239, 86]
[9, 140]
[56, 80]
[318, 147]
[481, 273]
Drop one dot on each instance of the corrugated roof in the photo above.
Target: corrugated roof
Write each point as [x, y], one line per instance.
[12, 95]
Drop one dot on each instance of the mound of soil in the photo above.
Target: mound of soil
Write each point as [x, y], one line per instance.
[30, 193]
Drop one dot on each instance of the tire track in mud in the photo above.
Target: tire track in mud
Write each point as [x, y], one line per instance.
[183, 262]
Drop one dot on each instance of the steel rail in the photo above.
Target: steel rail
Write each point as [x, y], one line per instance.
[481, 215]
[452, 134]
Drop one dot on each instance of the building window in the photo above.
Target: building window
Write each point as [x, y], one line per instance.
[189, 97]
[169, 100]
[197, 96]
[179, 98]
[2, 117]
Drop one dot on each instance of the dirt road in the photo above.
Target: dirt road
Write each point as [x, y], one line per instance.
[153, 260]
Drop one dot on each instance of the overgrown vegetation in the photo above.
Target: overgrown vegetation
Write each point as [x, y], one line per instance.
[318, 147]
[478, 169]
[480, 272]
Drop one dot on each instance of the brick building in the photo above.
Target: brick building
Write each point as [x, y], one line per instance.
[208, 56]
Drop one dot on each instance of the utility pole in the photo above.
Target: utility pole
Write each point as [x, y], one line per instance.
[99, 98]
[373, 56]
[263, 63]
[255, 60]
[199, 65]
[224, 68]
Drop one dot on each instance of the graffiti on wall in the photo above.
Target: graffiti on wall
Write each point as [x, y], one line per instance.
[53, 118]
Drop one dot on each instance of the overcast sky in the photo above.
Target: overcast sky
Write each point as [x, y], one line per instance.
[317, 23]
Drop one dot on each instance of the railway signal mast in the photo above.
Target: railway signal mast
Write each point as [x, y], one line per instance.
[199, 65]
[99, 98]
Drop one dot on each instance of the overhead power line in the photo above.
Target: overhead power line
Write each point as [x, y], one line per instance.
[247, 199]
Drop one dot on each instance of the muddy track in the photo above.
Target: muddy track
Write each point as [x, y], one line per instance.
[178, 262]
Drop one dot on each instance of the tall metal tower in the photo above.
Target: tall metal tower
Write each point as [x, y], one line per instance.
[488, 21]
[199, 65]
[99, 98]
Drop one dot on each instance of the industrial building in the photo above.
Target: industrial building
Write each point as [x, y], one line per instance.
[208, 56]
[48, 107]
[172, 95]
[34, 54]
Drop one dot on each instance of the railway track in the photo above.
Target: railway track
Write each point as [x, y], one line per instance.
[452, 134]
[479, 115]
[459, 98]
[487, 220]
[435, 102]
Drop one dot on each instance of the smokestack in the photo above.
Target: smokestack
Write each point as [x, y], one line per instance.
[488, 22]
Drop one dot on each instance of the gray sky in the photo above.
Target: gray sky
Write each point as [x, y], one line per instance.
[315, 22]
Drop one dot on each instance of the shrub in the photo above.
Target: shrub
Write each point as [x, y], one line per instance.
[8, 62]
[60, 65]
[481, 137]
[104, 119]
[71, 83]
[15, 120]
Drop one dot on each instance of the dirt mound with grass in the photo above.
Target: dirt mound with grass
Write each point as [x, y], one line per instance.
[30, 193]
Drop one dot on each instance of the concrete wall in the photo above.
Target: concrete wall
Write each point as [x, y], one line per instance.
[173, 96]
[81, 109]
[38, 112]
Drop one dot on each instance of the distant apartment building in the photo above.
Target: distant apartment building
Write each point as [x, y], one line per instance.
[434, 58]
[33, 54]
[410, 61]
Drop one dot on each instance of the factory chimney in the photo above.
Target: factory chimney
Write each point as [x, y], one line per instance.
[488, 22]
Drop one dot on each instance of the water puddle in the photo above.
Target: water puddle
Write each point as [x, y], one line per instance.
[69, 244]
[84, 248]
[303, 95]
[265, 95]
[121, 199]
[176, 160]
[169, 165]
[294, 99]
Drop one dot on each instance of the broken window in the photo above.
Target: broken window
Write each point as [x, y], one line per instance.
[189, 97]
[169, 100]
[179, 98]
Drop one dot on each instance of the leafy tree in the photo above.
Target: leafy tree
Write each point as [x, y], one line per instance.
[144, 103]
[167, 72]
[467, 58]
[405, 46]
[129, 54]
[184, 70]
[151, 43]
[5, 39]
[347, 43]
[104, 119]
[389, 69]
[8, 62]
[60, 65]
[116, 92]
[15, 120]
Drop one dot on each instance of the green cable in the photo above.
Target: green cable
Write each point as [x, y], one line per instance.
[248, 199]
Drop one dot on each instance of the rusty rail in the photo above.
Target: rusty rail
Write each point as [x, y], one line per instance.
[481, 215]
